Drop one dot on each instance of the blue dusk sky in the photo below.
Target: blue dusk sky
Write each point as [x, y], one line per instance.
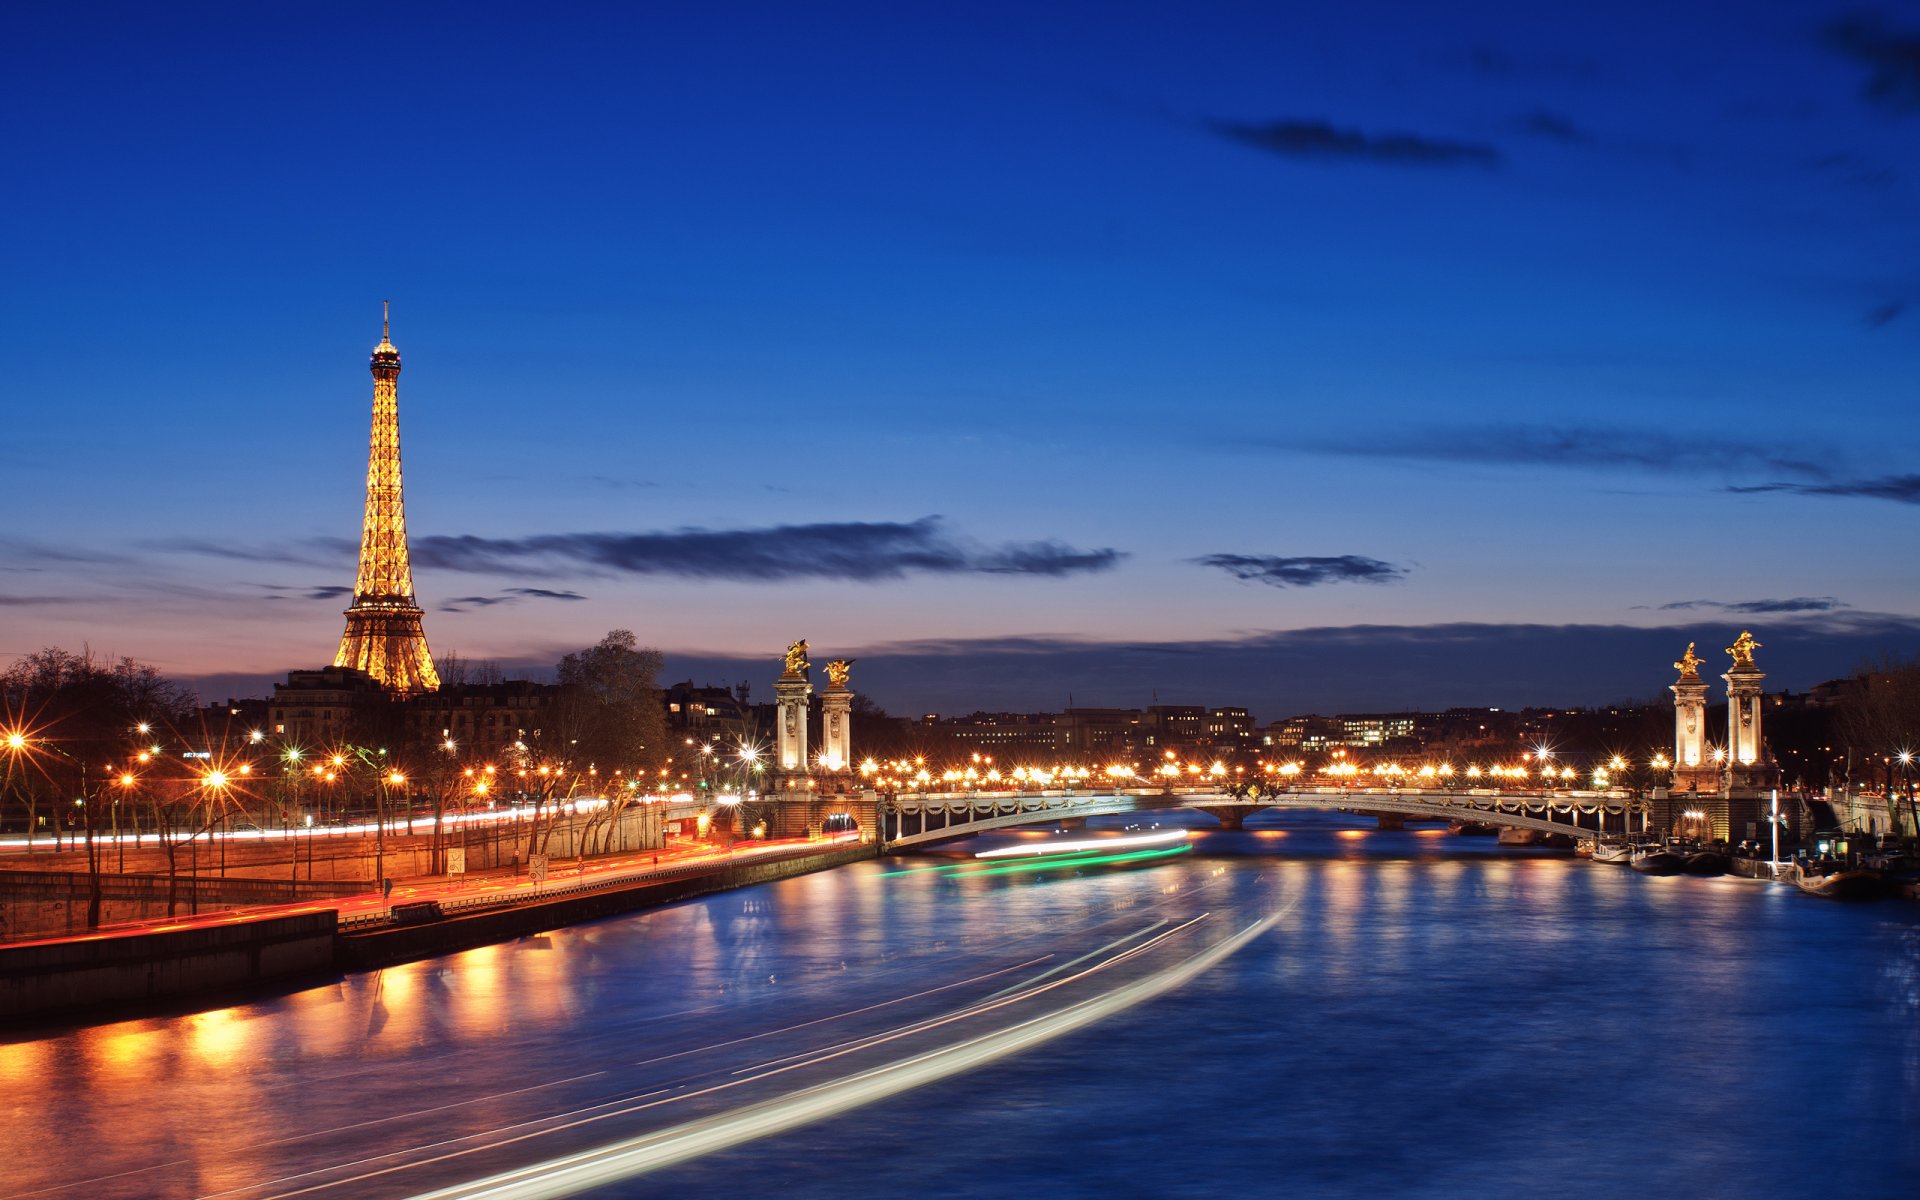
[1305, 357]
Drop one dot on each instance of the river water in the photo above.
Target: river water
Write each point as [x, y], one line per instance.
[1307, 1010]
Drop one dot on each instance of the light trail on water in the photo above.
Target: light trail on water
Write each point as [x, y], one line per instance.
[617, 1161]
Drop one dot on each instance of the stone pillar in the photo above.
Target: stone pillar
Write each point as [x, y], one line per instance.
[836, 727]
[1744, 747]
[1693, 770]
[1747, 762]
[790, 739]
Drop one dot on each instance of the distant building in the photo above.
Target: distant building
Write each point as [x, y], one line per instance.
[336, 705]
[321, 708]
[1230, 729]
[705, 712]
[1091, 732]
[481, 716]
[1176, 727]
[1004, 735]
[231, 724]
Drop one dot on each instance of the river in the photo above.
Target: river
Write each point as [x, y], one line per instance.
[1307, 1009]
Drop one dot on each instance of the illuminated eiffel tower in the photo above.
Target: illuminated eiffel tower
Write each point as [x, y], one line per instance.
[384, 637]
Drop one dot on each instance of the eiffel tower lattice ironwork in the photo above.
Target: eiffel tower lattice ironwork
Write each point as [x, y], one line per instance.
[384, 636]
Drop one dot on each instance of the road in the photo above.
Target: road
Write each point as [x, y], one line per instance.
[502, 885]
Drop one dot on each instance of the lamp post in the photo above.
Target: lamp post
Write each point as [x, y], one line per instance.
[128, 781]
[1773, 867]
[1906, 778]
[214, 783]
[15, 744]
[393, 779]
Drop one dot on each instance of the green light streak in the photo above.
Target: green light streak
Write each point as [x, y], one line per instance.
[1079, 860]
[1087, 858]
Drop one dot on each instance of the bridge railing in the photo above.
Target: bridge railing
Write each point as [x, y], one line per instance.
[1548, 796]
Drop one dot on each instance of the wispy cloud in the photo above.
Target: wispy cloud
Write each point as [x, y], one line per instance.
[866, 551]
[22, 554]
[1322, 141]
[1851, 169]
[620, 483]
[1303, 571]
[1574, 446]
[1554, 127]
[1494, 63]
[325, 591]
[1902, 489]
[1797, 604]
[1885, 314]
[10, 601]
[512, 595]
[308, 552]
[1891, 59]
[464, 603]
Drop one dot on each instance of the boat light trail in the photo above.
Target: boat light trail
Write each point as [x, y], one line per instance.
[605, 1165]
[1102, 844]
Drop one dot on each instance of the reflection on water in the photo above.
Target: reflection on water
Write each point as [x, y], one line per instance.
[1428, 1015]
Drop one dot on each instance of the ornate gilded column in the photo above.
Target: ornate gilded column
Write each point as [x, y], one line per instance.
[1692, 772]
[790, 707]
[836, 718]
[1747, 764]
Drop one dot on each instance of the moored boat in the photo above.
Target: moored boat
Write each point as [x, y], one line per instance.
[1707, 862]
[1613, 852]
[1836, 880]
[1657, 860]
[1510, 836]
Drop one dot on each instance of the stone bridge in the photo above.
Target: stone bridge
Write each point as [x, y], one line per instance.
[920, 819]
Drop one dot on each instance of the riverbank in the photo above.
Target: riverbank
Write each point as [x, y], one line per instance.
[108, 976]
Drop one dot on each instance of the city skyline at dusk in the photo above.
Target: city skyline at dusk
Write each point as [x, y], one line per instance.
[1313, 362]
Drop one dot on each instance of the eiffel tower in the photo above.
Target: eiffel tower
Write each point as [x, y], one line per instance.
[384, 637]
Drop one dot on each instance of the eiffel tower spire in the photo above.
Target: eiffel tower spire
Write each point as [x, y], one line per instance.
[384, 637]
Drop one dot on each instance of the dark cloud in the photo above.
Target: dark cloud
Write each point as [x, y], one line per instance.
[7, 601]
[513, 595]
[318, 591]
[1885, 314]
[1319, 140]
[1361, 668]
[463, 603]
[1902, 489]
[1798, 604]
[1598, 448]
[1553, 127]
[864, 551]
[1892, 60]
[1304, 571]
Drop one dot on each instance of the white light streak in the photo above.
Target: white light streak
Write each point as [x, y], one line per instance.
[1034, 850]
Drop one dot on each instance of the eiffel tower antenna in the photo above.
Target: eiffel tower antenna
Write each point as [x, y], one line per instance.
[384, 636]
